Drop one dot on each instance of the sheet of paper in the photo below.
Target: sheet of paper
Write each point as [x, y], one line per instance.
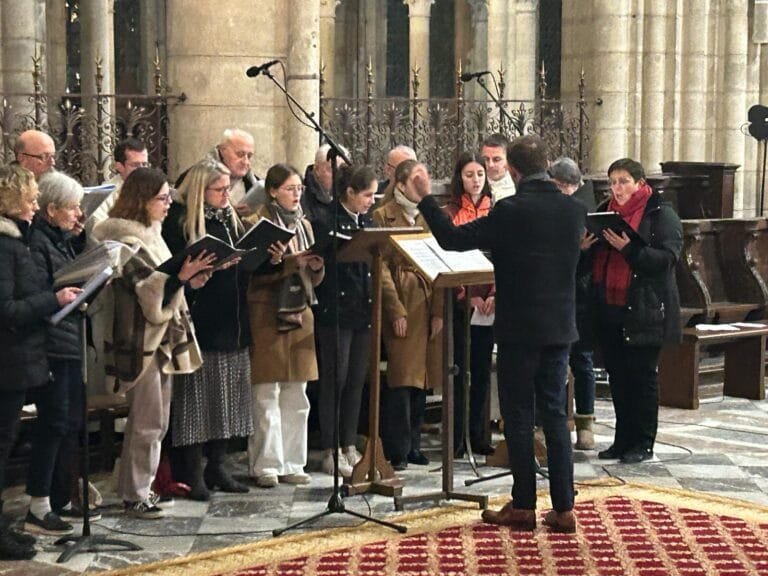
[469, 261]
[717, 327]
[748, 324]
[425, 256]
[480, 319]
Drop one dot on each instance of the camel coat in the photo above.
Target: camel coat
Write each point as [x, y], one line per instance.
[414, 360]
[279, 356]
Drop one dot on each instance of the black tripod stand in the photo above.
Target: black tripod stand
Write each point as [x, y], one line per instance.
[336, 501]
[87, 542]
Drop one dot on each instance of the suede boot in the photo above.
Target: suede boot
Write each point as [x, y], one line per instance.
[585, 438]
[216, 475]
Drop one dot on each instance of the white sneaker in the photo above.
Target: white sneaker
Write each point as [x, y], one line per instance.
[352, 455]
[326, 466]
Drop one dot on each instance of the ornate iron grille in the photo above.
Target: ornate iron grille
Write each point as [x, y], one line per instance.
[84, 138]
[439, 129]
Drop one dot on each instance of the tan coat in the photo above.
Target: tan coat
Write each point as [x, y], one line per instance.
[414, 360]
[279, 356]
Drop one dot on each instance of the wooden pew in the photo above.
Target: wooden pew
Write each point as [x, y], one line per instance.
[744, 365]
[704, 282]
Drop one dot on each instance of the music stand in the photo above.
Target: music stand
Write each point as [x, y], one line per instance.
[87, 542]
[464, 273]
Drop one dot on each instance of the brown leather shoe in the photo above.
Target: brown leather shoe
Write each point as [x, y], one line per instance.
[564, 522]
[517, 518]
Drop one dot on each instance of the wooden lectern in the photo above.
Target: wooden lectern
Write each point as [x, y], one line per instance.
[447, 270]
[373, 473]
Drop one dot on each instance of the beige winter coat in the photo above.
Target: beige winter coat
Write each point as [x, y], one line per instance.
[136, 324]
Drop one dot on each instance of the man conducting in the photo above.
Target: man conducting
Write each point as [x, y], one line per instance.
[534, 239]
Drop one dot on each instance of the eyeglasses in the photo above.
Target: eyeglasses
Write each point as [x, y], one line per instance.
[220, 189]
[298, 188]
[44, 157]
[163, 198]
[134, 165]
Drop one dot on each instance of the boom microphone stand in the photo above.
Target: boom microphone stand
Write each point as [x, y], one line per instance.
[87, 542]
[336, 502]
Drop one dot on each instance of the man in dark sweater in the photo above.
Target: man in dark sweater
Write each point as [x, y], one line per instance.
[533, 238]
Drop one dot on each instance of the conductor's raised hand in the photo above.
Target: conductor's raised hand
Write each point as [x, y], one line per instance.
[618, 241]
[419, 182]
[193, 266]
[67, 295]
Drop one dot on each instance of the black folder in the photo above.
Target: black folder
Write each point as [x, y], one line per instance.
[210, 244]
[597, 222]
[257, 239]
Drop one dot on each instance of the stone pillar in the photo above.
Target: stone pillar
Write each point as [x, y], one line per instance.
[598, 37]
[732, 103]
[18, 48]
[97, 42]
[694, 92]
[151, 22]
[56, 47]
[654, 89]
[499, 31]
[418, 41]
[521, 53]
[303, 64]
[380, 60]
[478, 60]
[760, 22]
[328, 43]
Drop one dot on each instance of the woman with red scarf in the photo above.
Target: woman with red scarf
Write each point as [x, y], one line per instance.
[637, 307]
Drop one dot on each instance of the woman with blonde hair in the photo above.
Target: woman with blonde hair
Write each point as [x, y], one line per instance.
[211, 405]
[26, 300]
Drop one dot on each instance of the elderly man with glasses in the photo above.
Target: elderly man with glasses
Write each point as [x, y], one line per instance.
[235, 151]
[36, 152]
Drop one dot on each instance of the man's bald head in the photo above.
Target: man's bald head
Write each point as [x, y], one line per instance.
[36, 152]
[397, 155]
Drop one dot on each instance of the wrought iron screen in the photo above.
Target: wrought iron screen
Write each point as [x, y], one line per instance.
[439, 129]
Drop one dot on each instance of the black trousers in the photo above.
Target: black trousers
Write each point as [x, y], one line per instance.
[402, 413]
[633, 378]
[67, 467]
[480, 358]
[349, 365]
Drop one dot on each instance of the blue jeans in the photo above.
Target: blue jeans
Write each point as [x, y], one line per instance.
[531, 379]
[580, 360]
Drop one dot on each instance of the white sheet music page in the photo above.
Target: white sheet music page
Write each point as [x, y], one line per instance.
[421, 253]
[469, 261]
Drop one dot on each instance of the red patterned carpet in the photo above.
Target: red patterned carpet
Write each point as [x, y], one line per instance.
[623, 531]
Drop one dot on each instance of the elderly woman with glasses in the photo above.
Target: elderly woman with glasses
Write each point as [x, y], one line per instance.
[54, 243]
[26, 300]
[153, 337]
[283, 348]
[211, 405]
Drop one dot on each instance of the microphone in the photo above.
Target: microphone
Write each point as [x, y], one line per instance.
[467, 76]
[254, 71]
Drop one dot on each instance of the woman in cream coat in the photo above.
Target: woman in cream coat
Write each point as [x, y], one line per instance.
[154, 337]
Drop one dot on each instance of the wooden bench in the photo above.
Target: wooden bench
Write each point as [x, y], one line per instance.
[744, 369]
[705, 281]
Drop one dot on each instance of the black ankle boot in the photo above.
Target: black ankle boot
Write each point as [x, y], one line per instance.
[192, 457]
[216, 475]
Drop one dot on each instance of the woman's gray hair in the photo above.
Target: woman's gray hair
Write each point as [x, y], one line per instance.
[58, 189]
[565, 170]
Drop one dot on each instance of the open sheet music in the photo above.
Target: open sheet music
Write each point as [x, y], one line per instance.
[91, 287]
[432, 260]
[106, 254]
[257, 239]
[93, 197]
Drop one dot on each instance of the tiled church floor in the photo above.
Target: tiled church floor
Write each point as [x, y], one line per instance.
[722, 448]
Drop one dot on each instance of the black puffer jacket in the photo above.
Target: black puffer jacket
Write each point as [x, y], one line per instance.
[25, 302]
[354, 284]
[219, 309]
[51, 249]
[652, 314]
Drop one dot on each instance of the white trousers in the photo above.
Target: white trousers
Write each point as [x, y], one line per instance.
[150, 401]
[278, 445]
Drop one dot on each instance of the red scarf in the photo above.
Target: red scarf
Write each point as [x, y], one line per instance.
[609, 268]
